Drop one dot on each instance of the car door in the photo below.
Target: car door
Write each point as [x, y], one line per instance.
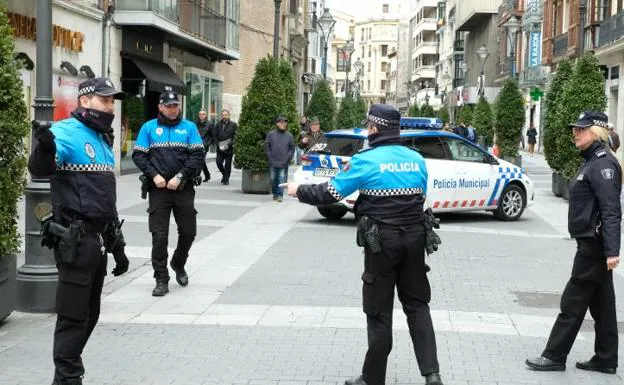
[474, 173]
[440, 170]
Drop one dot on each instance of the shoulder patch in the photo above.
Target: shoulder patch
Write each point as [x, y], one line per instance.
[600, 153]
[607, 173]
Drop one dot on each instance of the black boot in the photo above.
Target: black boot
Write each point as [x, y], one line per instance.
[595, 367]
[181, 276]
[69, 381]
[355, 381]
[544, 364]
[433, 379]
[161, 289]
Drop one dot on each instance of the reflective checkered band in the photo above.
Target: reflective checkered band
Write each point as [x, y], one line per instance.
[86, 90]
[194, 146]
[85, 167]
[600, 123]
[392, 192]
[378, 120]
[141, 148]
[170, 144]
[332, 190]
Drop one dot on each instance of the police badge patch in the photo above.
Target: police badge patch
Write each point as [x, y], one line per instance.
[90, 150]
[607, 173]
[159, 131]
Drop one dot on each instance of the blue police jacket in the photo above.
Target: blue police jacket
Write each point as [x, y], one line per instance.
[169, 150]
[392, 184]
[83, 184]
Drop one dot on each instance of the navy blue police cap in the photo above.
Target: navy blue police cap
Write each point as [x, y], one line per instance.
[591, 118]
[101, 86]
[384, 115]
[169, 98]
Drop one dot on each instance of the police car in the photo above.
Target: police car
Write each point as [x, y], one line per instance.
[462, 176]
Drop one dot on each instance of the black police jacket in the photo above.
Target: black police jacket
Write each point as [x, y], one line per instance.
[391, 180]
[80, 165]
[168, 150]
[594, 206]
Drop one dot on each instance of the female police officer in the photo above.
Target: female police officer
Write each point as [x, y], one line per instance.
[594, 218]
[392, 183]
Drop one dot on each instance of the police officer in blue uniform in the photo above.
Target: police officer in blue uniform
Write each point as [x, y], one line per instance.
[171, 153]
[76, 153]
[392, 183]
[594, 220]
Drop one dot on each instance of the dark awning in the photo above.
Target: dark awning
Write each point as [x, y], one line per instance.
[159, 76]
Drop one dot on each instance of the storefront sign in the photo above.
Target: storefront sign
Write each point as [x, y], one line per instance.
[535, 48]
[26, 27]
[142, 45]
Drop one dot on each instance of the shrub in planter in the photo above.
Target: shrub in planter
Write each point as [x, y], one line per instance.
[13, 129]
[272, 92]
[465, 114]
[347, 115]
[414, 111]
[323, 106]
[426, 111]
[360, 110]
[482, 121]
[509, 119]
[584, 91]
[443, 114]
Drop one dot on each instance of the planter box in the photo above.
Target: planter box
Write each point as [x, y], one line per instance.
[556, 185]
[517, 160]
[256, 182]
[8, 268]
[564, 185]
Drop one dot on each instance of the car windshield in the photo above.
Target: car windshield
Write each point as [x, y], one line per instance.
[337, 145]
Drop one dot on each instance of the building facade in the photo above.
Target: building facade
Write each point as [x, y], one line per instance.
[342, 54]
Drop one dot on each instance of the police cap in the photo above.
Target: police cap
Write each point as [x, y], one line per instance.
[169, 98]
[383, 115]
[591, 118]
[101, 86]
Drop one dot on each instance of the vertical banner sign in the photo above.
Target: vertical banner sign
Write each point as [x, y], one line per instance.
[535, 49]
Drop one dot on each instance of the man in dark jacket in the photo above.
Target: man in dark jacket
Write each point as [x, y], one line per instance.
[205, 129]
[225, 130]
[280, 148]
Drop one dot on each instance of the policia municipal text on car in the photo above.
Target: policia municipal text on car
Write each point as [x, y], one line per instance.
[392, 228]
[76, 153]
[594, 219]
[170, 153]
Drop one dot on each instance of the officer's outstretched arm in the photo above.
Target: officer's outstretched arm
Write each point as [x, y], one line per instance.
[50, 150]
[343, 185]
[141, 153]
[606, 181]
[197, 155]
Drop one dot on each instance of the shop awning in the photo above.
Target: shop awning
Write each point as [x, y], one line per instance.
[160, 77]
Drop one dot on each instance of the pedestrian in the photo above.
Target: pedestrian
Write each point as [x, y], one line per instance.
[304, 124]
[225, 131]
[392, 183]
[205, 128]
[594, 220]
[313, 135]
[170, 152]
[531, 135]
[76, 153]
[280, 148]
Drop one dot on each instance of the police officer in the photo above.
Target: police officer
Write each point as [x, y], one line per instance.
[76, 153]
[392, 182]
[171, 153]
[594, 219]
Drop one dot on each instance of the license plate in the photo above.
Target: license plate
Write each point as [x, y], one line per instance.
[327, 172]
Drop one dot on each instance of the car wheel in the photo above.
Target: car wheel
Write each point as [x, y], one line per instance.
[333, 213]
[511, 204]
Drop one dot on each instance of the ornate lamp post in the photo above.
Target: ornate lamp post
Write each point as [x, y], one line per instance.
[276, 29]
[482, 54]
[346, 51]
[463, 67]
[513, 25]
[326, 24]
[446, 78]
[358, 66]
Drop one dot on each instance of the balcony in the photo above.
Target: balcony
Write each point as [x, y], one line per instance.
[611, 29]
[189, 23]
[560, 45]
[508, 8]
[425, 48]
[471, 13]
[426, 24]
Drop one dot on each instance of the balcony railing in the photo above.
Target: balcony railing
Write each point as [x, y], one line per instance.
[203, 22]
[560, 45]
[165, 8]
[611, 29]
[87, 3]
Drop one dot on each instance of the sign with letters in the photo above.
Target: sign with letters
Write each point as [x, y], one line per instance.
[535, 48]
[26, 27]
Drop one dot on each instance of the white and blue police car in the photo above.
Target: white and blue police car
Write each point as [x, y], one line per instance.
[462, 176]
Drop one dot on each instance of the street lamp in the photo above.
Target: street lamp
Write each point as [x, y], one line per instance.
[346, 51]
[326, 24]
[463, 67]
[446, 78]
[427, 98]
[483, 55]
[276, 29]
[513, 26]
[358, 66]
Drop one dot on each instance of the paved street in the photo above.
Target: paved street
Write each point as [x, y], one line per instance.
[275, 298]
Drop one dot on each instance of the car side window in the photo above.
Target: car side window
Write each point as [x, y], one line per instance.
[465, 152]
[430, 147]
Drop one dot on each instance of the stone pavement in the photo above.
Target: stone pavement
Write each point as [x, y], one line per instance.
[275, 298]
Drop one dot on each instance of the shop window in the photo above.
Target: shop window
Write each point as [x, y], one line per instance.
[203, 92]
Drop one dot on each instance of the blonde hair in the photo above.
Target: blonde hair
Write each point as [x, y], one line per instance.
[602, 134]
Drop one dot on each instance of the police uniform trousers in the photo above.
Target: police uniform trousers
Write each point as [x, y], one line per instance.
[77, 306]
[161, 203]
[401, 263]
[590, 286]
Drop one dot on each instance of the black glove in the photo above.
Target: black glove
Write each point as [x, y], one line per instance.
[432, 240]
[121, 265]
[44, 136]
[47, 239]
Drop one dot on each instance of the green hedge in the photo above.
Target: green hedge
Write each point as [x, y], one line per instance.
[509, 118]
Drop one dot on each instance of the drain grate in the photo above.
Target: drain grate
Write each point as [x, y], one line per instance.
[538, 300]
